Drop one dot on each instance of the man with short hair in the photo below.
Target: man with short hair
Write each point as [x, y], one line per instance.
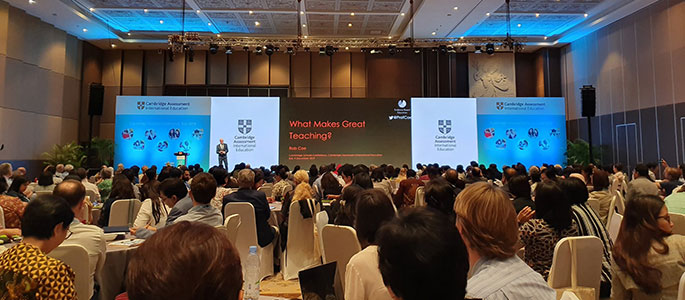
[6, 172]
[202, 190]
[422, 256]
[406, 193]
[91, 237]
[222, 151]
[641, 183]
[26, 266]
[174, 194]
[506, 177]
[265, 233]
[83, 174]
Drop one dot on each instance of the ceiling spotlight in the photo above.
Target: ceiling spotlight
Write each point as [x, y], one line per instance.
[145, 10]
[91, 9]
[301, 13]
[289, 50]
[585, 15]
[269, 50]
[246, 48]
[537, 15]
[330, 50]
[250, 12]
[32, 1]
[376, 51]
[434, 33]
[322, 51]
[463, 48]
[85, 30]
[392, 50]
[478, 49]
[417, 51]
[363, 49]
[191, 55]
[487, 14]
[128, 33]
[352, 14]
[349, 24]
[306, 49]
[304, 25]
[305, 36]
[455, 8]
[347, 48]
[198, 11]
[490, 48]
[402, 14]
[161, 21]
[229, 51]
[442, 49]
[258, 50]
[113, 45]
[256, 23]
[451, 49]
[209, 24]
[218, 35]
[545, 38]
[213, 48]
[518, 25]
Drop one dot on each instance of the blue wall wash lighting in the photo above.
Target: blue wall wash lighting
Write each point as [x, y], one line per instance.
[544, 25]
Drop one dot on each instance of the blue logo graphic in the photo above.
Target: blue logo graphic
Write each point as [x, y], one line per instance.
[184, 146]
[544, 145]
[444, 126]
[174, 133]
[150, 134]
[127, 134]
[161, 146]
[501, 144]
[197, 133]
[533, 133]
[139, 145]
[511, 134]
[244, 126]
[554, 132]
[523, 144]
[489, 133]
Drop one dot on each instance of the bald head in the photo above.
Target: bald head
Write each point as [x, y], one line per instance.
[72, 191]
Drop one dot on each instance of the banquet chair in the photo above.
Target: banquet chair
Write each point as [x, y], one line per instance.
[91, 194]
[232, 224]
[266, 190]
[340, 244]
[577, 264]
[246, 236]
[612, 209]
[321, 221]
[85, 212]
[681, 288]
[76, 257]
[615, 226]
[568, 295]
[594, 204]
[620, 203]
[419, 200]
[2, 218]
[42, 193]
[301, 248]
[678, 223]
[124, 212]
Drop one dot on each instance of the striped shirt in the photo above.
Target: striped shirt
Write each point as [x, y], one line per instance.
[589, 225]
[494, 279]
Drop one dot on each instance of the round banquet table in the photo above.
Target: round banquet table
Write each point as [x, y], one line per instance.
[112, 276]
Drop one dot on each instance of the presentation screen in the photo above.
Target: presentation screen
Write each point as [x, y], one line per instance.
[323, 131]
[249, 127]
[531, 131]
[149, 130]
[443, 131]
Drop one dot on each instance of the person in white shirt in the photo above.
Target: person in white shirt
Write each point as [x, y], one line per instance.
[487, 222]
[363, 280]
[91, 237]
[83, 174]
[153, 212]
[60, 172]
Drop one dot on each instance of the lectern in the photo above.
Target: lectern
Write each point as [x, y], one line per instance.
[181, 158]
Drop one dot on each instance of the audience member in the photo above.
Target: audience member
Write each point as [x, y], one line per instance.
[406, 193]
[649, 259]
[506, 177]
[121, 189]
[105, 183]
[221, 177]
[380, 182]
[589, 224]
[282, 185]
[13, 210]
[452, 176]
[265, 233]
[474, 176]
[487, 222]
[18, 187]
[83, 175]
[422, 256]
[363, 280]
[330, 185]
[519, 187]
[202, 190]
[348, 206]
[90, 237]
[672, 181]
[26, 269]
[362, 179]
[45, 183]
[641, 183]
[202, 253]
[554, 222]
[439, 195]
[600, 192]
[6, 172]
[153, 211]
[174, 194]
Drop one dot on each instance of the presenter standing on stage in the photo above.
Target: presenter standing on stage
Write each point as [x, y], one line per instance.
[222, 151]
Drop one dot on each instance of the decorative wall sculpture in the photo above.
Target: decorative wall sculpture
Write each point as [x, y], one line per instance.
[492, 75]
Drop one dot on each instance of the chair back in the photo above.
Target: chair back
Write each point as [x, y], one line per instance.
[615, 226]
[42, 193]
[246, 235]
[266, 190]
[681, 288]
[612, 209]
[620, 203]
[594, 204]
[321, 221]
[340, 244]
[420, 200]
[91, 194]
[568, 295]
[678, 223]
[76, 257]
[85, 212]
[577, 263]
[232, 224]
[301, 250]
[124, 212]
[2, 218]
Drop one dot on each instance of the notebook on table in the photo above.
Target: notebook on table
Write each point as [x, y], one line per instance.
[318, 283]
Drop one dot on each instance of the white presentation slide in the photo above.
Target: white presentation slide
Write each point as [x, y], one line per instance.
[444, 131]
[249, 127]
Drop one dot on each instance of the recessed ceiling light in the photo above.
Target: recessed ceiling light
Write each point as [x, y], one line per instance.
[402, 14]
[304, 25]
[91, 9]
[145, 10]
[129, 34]
[301, 12]
[519, 25]
[537, 15]
[32, 1]
[349, 24]
[113, 45]
[434, 33]
[487, 14]
[256, 23]
[305, 36]
[389, 37]
[455, 8]
[352, 14]
[545, 38]
[198, 11]
[347, 48]
[209, 24]
[586, 15]
[85, 29]
[218, 35]
[461, 37]
[161, 21]
[250, 12]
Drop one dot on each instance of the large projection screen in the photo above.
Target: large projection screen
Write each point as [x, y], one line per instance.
[324, 131]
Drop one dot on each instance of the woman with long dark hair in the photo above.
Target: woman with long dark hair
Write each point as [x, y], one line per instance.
[554, 222]
[18, 187]
[649, 259]
[121, 189]
[152, 212]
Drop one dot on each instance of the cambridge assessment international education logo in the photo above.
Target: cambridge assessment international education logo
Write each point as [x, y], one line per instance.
[444, 126]
[141, 105]
[500, 105]
[244, 126]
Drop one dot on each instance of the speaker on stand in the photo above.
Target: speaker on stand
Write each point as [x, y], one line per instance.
[589, 103]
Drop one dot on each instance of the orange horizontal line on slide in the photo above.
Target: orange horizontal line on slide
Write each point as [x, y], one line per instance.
[314, 156]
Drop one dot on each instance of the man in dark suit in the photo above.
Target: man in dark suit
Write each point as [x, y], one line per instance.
[222, 151]
[265, 233]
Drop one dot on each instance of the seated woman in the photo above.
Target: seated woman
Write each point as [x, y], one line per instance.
[105, 183]
[202, 252]
[346, 212]
[440, 196]
[303, 191]
[13, 211]
[554, 222]
[152, 212]
[380, 182]
[649, 259]
[520, 188]
[601, 193]
[363, 280]
[330, 186]
[121, 189]
[589, 225]
[45, 183]
[18, 187]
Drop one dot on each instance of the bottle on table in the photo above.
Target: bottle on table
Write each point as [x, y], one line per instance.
[252, 277]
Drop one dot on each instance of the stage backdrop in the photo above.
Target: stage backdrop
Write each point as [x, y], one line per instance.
[322, 131]
[443, 131]
[249, 126]
[150, 129]
[531, 131]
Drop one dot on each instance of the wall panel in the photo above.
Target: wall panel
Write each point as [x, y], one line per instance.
[341, 75]
[358, 74]
[259, 69]
[195, 71]
[321, 76]
[301, 75]
[280, 69]
[238, 68]
[217, 68]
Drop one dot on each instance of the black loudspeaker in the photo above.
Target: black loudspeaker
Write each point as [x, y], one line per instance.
[96, 96]
[587, 93]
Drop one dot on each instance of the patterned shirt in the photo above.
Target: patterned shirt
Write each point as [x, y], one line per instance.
[13, 211]
[27, 273]
[540, 238]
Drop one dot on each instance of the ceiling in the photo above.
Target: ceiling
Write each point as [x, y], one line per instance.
[132, 23]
